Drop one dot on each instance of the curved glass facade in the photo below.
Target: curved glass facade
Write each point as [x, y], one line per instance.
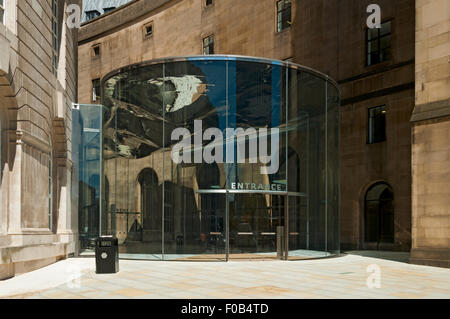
[220, 157]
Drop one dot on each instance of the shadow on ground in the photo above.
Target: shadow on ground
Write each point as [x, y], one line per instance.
[388, 255]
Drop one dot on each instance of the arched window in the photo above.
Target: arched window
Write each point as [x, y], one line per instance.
[379, 214]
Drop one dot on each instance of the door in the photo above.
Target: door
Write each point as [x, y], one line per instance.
[254, 218]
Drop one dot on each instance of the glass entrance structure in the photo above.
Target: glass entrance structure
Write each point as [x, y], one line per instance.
[218, 158]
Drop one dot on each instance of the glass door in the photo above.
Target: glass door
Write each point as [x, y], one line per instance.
[254, 222]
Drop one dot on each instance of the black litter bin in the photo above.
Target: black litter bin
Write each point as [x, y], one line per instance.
[106, 255]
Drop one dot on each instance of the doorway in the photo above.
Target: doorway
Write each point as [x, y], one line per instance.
[379, 215]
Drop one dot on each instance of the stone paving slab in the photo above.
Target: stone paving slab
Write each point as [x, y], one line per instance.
[342, 277]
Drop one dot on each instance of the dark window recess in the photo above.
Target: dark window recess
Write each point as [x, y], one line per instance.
[92, 14]
[284, 20]
[208, 2]
[376, 125]
[148, 30]
[379, 44]
[208, 45]
[96, 50]
[96, 90]
[106, 10]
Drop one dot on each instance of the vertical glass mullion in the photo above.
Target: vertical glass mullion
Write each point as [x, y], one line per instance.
[163, 161]
[326, 164]
[286, 218]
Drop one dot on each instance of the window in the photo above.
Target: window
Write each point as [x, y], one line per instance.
[208, 45]
[377, 125]
[92, 14]
[55, 40]
[96, 90]
[96, 51]
[106, 10]
[283, 15]
[2, 12]
[208, 2]
[148, 30]
[379, 44]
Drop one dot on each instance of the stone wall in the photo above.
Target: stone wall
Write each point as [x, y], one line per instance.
[431, 136]
[35, 109]
[239, 27]
[330, 36]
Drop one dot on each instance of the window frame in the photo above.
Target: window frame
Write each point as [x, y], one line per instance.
[371, 134]
[280, 23]
[144, 31]
[98, 96]
[378, 41]
[94, 48]
[211, 36]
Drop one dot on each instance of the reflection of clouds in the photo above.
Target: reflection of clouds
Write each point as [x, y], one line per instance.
[188, 88]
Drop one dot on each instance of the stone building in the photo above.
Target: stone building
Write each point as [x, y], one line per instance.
[394, 94]
[38, 83]
[375, 70]
[430, 136]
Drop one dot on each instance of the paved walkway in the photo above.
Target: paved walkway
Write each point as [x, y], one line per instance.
[341, 277]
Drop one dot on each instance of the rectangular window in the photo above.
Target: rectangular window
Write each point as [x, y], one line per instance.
[208, 45]
[96, 51]
[96, 90]
[376, 132]
[148, 30]
[379, 44]
[106, 10]
[208, 2]
[283, 15]
[2, 12]
[55, 39]
[92, 14]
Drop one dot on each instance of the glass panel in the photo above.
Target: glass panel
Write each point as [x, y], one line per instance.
[308, 114]
[333, 243]
[257, 116]
[133, 155]
[385, 42]
[187, 144]
[194, 221]
[254, 219]
[372, 34]
[372, 46]
[87, 121]
[385, 28]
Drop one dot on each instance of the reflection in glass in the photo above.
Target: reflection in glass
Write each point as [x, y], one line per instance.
[230, 204]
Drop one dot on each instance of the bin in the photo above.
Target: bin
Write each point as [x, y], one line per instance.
[106, 255]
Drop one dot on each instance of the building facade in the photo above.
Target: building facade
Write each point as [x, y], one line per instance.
[376, 69]
[38, 83]
[430, 136]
